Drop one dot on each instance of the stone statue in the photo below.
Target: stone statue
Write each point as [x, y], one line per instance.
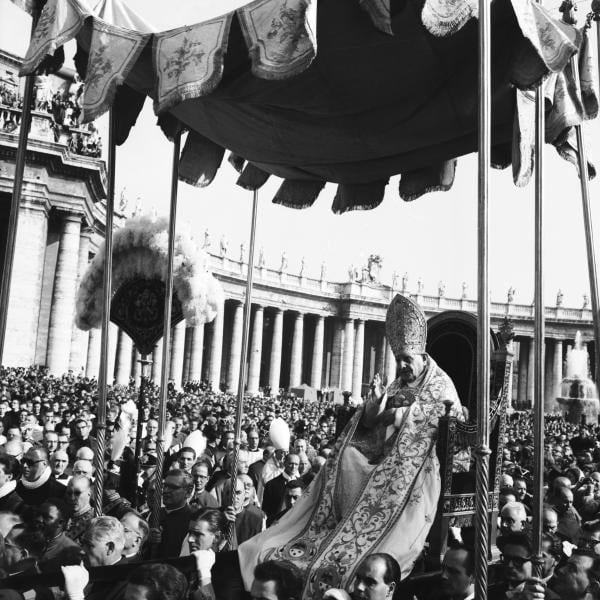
[464, 290]
[122, 201]
[586, 301]
[395, 278]
[351, 273]
[242, 252]
[223, 246]
[510, 296]
[261, 258]
[559, 298]
[206, 243]
[302, 264]
[419, 286]
[284, 263]
[374, 263]
[404, 282]
[441, 289]
[139, 207]
[323, 271]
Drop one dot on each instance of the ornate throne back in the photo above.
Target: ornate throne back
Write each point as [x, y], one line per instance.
[456, 506]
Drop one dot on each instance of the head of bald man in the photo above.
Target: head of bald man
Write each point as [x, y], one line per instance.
[512, 518]
[85, 453]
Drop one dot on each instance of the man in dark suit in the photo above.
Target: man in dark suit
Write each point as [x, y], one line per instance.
[256, 468]
[273, 497]
[293, 493]
[249, 520]
[136, 533]
[175, 519]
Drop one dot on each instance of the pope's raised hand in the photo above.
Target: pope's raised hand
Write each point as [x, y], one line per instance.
[377, 387]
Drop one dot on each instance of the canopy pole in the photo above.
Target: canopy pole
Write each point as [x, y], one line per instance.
[13, 219]
[106, 297]
[166, 353]
[569, 17]
[539, 335]
[483, 308]
[145, 363]
[589, 242]
[239, 408]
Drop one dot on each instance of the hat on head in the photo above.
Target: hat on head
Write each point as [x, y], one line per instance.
[405, 326]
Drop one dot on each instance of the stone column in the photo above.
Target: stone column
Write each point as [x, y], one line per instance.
[530, 373]
[296, 365]
[196, 351]
[136, 367]
[336, 354]
[63, 297]
[557, 369]
[348, 356]
[275, 362]
[233, 370]
[381, 355]
[113, 336]
[548, 382]
[157, 362]
[390, 366]
[177, 349]
[78, 337]
[123, 366]
[187, 353]
[523, 353]
[316, 373]
[357, 367]
[26, 287]
[216, 351]
[92, 365]
[255, 351]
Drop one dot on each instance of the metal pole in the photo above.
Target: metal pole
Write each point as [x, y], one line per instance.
[13, 218]
[483, 308]
[239, 408]
[539, 336]
[591, 254]
[589, 230]
[166, 354]
[145, 362]
[106, 297]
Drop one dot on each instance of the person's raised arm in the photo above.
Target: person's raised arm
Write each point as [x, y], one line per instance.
[375, 404]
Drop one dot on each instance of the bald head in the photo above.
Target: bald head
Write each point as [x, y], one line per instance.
[85, 453]
[512, 518]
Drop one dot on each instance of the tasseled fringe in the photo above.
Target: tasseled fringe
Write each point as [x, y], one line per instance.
[295, 193]
[252, 177]
[358, 196]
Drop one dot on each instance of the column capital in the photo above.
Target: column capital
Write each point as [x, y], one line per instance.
[72, 217]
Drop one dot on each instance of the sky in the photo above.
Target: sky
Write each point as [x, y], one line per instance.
[433, 238]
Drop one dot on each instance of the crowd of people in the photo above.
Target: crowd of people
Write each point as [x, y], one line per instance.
[48, 430]
[65, 109]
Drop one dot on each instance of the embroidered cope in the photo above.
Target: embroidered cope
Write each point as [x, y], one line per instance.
[373, 495]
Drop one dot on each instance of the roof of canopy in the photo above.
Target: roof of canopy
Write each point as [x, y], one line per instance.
[347, 91]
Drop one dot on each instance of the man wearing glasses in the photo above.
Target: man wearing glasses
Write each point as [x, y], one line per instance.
[202, 498]
[175, 519]
[516, 565]
[37, 483]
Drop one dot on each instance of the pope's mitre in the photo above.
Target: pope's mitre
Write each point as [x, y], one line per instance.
[405, 326]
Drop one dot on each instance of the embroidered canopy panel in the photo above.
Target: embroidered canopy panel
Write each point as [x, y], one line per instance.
[346, 91]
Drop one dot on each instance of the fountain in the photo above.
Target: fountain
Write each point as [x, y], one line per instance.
[578, 396]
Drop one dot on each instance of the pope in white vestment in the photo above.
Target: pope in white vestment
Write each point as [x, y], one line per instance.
[379, 489]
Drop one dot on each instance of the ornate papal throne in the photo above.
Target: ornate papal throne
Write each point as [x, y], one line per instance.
[452, 342]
